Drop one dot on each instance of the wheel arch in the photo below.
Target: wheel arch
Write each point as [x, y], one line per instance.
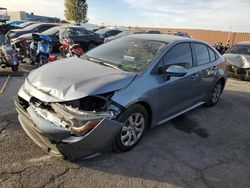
[149, 111]
[223, 81]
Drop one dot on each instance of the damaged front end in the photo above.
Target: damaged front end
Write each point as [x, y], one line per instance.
[238, 66]
[74, 129]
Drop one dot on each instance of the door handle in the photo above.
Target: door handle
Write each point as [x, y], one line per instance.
[194, 75]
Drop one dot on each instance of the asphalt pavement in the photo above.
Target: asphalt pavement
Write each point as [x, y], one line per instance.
[207, 147]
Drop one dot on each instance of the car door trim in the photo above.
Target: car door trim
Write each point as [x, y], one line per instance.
[179, 113]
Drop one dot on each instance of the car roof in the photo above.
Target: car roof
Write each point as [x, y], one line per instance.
[244, 43]
[162, 38]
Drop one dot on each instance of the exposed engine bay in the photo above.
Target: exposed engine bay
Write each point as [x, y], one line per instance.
[79, 116]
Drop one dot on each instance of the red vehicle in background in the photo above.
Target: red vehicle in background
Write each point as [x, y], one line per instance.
[70, 49]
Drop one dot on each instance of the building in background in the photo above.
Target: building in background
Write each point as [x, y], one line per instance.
[22, 15]
[4, 15]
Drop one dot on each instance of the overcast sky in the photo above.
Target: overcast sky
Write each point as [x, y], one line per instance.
[201, 14]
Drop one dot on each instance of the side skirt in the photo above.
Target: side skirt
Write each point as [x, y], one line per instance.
[180, 113]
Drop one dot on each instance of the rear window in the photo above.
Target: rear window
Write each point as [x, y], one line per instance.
[201, 52]
[213, 56]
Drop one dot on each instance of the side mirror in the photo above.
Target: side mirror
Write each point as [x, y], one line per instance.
[175, 71]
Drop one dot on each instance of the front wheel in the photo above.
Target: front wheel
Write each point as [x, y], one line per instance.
[215, 94]
[135, 121]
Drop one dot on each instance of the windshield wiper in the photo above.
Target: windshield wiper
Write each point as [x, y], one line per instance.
[102, 62]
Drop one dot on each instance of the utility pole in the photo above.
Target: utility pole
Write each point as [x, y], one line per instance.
[229, 35]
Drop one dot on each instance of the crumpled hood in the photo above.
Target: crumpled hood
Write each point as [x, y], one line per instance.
[241, 61]
[74, 78]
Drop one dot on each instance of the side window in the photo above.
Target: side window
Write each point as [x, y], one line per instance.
[75, 32]
[86, 32]
[179, 55]
[44, 28]
[109, 33]
[213, 56]
[201, 52]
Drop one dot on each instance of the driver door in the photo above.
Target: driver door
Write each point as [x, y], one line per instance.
[178, 93]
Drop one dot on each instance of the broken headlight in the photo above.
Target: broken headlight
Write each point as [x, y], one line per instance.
[80, 121]
[79, 116]
[85, 114]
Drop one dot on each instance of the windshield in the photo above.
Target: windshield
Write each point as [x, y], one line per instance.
[240, 49]
[31, 27]
[51, 31]
[126, 53]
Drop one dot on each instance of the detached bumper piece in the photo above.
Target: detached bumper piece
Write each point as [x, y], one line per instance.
[59, 141]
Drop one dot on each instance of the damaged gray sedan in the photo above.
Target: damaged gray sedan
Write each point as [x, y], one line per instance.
[238, 58]
[80, 108]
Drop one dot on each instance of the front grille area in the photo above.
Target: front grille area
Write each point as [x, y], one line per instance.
[29, 127]
[23, 103]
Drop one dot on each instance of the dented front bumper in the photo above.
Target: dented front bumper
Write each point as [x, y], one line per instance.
[60, 142]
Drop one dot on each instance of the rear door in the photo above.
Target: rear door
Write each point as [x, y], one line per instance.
[206, 65]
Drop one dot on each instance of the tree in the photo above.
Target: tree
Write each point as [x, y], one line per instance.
[76, 10]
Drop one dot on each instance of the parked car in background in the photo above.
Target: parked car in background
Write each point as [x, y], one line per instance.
[86, 39]
[25, 24]
[34, 28]
[151, 31]
[181, 34]
[131, 32]
[83, 107]
[79, 35]
[238, 58]
[15, 22]
[5, 28]
[121, 34]
[106, 32]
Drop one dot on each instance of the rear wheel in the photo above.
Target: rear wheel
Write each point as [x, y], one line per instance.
[215, 94]
[135, 121]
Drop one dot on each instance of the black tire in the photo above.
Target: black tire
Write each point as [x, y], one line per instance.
[246, 76]
[91, 46]
[134, 110]
[14, 68]
[215, 94]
